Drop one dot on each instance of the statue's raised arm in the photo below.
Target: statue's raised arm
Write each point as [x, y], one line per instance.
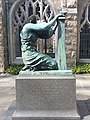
[42, 30]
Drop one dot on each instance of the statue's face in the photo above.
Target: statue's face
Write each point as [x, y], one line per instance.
[33, 19]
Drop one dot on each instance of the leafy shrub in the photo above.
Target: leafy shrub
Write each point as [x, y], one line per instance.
[14, 69]
[81, 68]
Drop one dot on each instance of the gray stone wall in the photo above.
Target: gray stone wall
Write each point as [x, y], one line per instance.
[3, 35]
[1, 42]
[71, 39]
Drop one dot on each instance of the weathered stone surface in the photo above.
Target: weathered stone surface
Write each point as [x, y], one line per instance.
[71, 39]
[1, 59]
[50, 97]
[49, 115]
[3, 42]
[1, 47]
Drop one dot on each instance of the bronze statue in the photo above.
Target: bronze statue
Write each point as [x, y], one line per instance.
[33, 59]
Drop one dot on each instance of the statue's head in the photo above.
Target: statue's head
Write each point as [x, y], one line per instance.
[33, 19]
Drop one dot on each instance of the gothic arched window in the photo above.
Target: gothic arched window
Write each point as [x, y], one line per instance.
[20, 15]
[84, 52]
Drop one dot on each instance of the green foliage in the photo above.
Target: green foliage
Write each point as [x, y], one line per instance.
[14, 69]
[81, 68]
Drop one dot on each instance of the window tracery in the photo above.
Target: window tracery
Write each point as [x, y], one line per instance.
[85, 17]
[85, 34]
[41, 8]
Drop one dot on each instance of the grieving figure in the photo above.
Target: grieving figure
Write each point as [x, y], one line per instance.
[33, 59]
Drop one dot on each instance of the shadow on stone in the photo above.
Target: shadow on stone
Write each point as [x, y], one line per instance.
[83, 108]
[8, 114]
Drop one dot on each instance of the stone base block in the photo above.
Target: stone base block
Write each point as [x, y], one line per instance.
[46, 97]
[46, 115]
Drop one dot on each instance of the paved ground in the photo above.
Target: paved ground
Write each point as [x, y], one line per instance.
[7, 96]
[7, 93]
[83, 95]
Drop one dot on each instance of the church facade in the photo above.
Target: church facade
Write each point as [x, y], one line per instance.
[15, 13]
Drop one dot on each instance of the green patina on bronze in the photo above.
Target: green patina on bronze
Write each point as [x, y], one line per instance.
[34, 60]
[61, 60]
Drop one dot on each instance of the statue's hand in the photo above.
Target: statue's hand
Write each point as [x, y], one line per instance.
[63, 12]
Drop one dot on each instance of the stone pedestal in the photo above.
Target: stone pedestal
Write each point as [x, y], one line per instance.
[48, 97]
